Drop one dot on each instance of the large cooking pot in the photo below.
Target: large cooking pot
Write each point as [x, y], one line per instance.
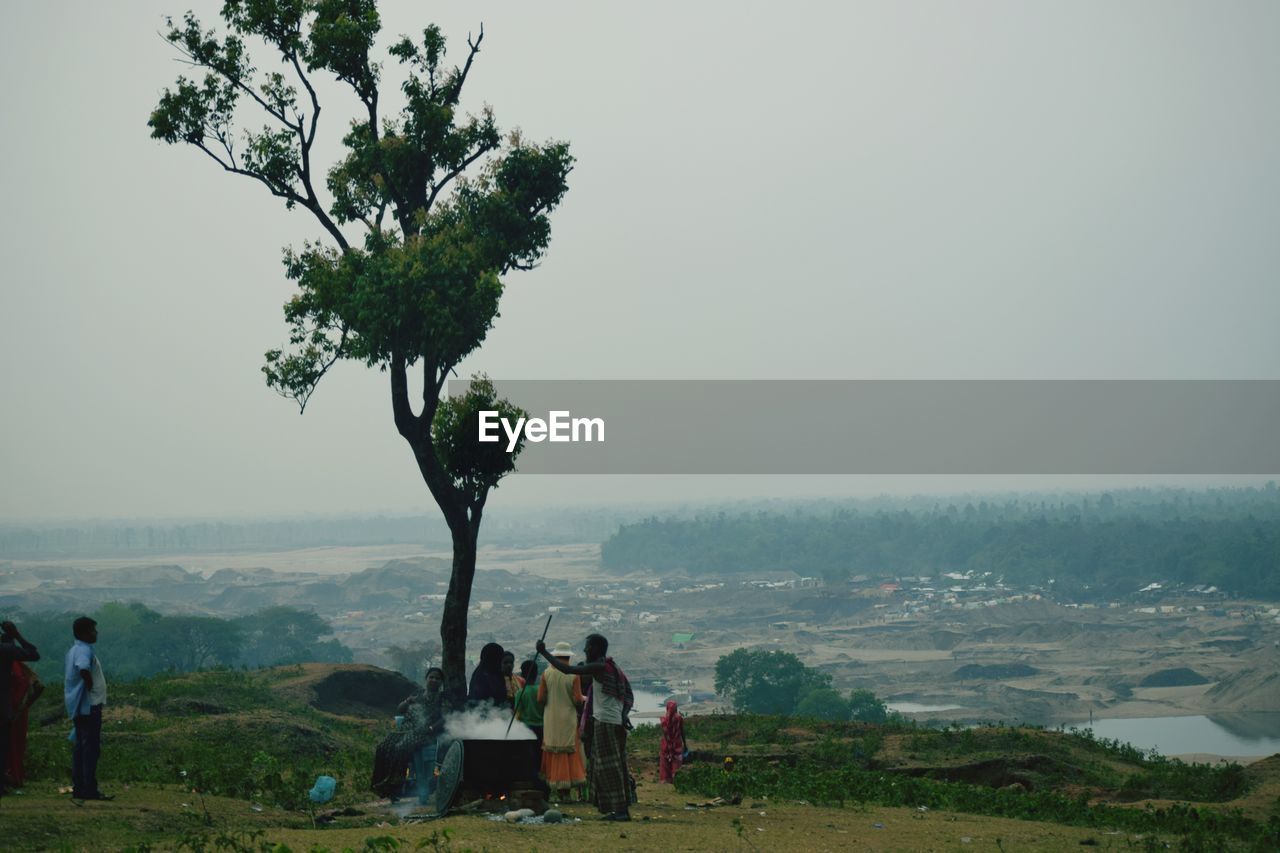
[493, 767]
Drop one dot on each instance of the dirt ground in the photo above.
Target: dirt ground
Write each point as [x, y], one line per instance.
[662, 821]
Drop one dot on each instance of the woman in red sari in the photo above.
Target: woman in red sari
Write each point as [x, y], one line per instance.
[672, 747]
[25, 689]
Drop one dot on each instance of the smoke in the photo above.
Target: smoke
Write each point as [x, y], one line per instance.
[486, 722]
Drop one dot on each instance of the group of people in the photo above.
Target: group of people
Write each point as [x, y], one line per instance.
[549, 704]
[579, 714]
[603, 723]
[85, 694]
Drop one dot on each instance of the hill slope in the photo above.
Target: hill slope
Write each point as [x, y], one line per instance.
[230, 754]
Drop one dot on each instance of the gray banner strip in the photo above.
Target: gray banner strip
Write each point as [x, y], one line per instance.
[904, 427]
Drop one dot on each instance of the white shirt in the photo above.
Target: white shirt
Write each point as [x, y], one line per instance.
[98, 695]
[605, 708]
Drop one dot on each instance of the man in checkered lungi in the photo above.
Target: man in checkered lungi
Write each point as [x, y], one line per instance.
[608, 704]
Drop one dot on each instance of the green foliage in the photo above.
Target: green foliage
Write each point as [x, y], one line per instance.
[822, 703]
[865, 707]
[135, 641]
[1225, 537]
[255, 841]
[283, 635]
[225, 733]
[467, 205]
[186, 643]
[227, 841]
[775, 682]
[474, 467]
[1081, 758]
[412, 660]
[766, 682]
[424, 288]
[736, 729]
[821, 782]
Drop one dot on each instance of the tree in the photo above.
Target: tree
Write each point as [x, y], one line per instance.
[466, 207]
[864, 707]
[823, 703]
[763, 682]
[282, 635]
[412, 661]
[187, 643]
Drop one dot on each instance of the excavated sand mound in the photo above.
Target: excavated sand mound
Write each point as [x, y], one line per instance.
[1247, 690]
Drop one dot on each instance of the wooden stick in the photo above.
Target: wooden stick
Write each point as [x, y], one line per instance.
[545, 628]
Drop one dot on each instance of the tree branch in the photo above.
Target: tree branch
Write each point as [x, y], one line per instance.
[337, 354]
[406, 422]
[313, 204]
[311, 201]
[466, 69]
[235, 81]
[432, 385]
[516, 265]
[417, 431]
[305, 140]
[315, 106]
[279, 192]
[454, 173]
[387, 192]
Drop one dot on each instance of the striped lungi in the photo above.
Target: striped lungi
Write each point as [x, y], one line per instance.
[609, 768]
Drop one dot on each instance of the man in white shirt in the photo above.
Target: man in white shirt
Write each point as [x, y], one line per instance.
[85, 692]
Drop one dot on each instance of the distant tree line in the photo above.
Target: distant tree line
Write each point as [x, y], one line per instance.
[1100, 545]
[136, 641]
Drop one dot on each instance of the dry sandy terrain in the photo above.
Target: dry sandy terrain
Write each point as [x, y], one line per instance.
[569, 562]
[1085, 660]
[326, 561]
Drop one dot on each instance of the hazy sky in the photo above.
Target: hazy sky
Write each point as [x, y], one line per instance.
[805, 190]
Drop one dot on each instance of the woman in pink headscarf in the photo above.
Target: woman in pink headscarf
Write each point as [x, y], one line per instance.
[672, 748]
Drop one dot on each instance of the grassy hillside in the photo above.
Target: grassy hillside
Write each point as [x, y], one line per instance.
[222, 760]
[1065, 778]
[262, 735]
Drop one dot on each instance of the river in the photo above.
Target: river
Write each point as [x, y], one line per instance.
[1241, 735]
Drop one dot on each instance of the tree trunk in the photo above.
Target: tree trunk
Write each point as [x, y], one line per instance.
[463, 518]
[453, 621]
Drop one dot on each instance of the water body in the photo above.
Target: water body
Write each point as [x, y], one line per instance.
[1241, 735]
[917, 708]
[651, 705]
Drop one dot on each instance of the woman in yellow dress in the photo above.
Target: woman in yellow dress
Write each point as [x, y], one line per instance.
[561, 697]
